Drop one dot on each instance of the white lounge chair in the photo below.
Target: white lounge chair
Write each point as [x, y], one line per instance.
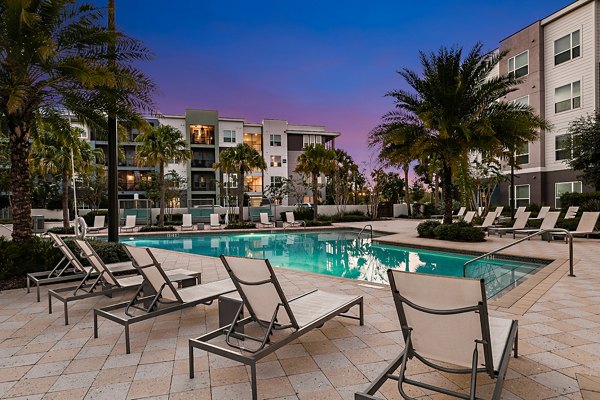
[499, 210]
[549, 222]
[519, 211]
[290, 220]
[264, 221]
[98, 224]
[519, 223]
[542, 213]
[215, 222]
[489, 220]
[164, 297]
[5, 232]
[586, 226]
[468, 218]
[186, 222]
[445, 324]
[458, 215]
[269, 308]
[129, 223]
[571, 212]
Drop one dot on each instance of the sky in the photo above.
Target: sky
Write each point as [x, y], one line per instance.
[325, 62]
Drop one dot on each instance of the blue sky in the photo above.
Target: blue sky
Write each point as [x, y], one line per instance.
[327, 62]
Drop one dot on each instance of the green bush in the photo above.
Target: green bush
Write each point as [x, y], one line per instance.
[568, 224]
[36, 254]
[590, 205]
[172, 219]
[577, 199]
[303, 213]
[459, 232]
[243, 225]
[61, 230]
[310, 222]
[154, 228]
[353, 216]
[534, 208]
[425, 229]
[109, 252]
[89, 217]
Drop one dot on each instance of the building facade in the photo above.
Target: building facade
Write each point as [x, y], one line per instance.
[558, 59]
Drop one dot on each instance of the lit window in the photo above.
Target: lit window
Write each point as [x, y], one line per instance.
[522, 154]
[567, 47]
[518, 66]
[521, 195]
[275, 140]
[202, 134]
[275, 161]
[561, 188]
[229, 136]
[567, 97]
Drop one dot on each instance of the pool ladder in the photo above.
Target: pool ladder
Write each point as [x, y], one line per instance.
[491, 254]
[362, 230]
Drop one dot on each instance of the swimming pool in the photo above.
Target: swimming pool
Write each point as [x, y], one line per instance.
[340, 253]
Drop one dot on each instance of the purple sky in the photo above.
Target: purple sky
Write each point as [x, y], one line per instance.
[327, 63]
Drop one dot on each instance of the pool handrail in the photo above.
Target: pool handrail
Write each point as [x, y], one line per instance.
[365, 227]
[493, 252]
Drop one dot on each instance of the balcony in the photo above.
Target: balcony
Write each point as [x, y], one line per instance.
[203, 163]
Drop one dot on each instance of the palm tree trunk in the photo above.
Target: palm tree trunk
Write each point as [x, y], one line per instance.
[19, 172]
[407, 189]
[315, 187]
[241, 196]
[436, 185]
[511, 189]
[447, 192]
[65, 197]
[161, 185]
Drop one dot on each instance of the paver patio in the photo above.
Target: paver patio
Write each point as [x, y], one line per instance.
[559, 319]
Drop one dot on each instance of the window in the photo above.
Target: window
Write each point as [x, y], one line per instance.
[521, 195]
[518, 66]
[562, 148]
[253, 140]
[522, 100]
[567, 97]
[275, 161]
[275, 140]
[310, 139]
[276, 181]
[567, 47]
[561, 188]
[228, 136]
[230, 180]
[522, 154]
[254, 183]
[202, 134]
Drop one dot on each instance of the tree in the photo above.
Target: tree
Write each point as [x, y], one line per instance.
[584, 140]
[340, 182]
[54, 55]
[454, 108]
[240, 159]
[314, 161]
[93, 189]
[159, 146]
[392, 187]
[56, 148]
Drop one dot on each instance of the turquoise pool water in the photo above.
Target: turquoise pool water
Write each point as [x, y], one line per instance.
[340, 253]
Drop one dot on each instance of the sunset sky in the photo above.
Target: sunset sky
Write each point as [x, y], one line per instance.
[325, 62]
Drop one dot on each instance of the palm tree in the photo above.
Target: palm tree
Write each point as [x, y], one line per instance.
[54, 55]
[56, 145]
[240, 159]
[159, 146]
[314, 161]
[455, 109]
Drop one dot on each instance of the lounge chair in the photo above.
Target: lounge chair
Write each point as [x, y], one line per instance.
[163, 297]
[468, 218]
[445, 324]
[69, 268]
[267, 306]
[548, 223]
[129, 223]
[458, 215]
[290, 220]
[264, 221]
[586, 226]
[215, 223]
[519, 223]
[571, 212]
[489, 220]
[186, 222]
[98, 224]
[5, 232]
[519, 211]
[542, 213]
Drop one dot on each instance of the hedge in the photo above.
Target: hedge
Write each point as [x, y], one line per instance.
[588, 200]
[457, 232]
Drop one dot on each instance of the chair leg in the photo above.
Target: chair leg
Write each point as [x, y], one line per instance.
[253, 381]
[191, 360]
[516, 345]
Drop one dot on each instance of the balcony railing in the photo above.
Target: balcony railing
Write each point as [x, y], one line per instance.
[202, 163]
[204, 186]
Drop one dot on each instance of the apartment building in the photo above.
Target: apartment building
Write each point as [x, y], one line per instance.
[558, 59]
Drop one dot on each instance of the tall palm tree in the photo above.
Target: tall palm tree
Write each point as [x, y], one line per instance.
[53, 54]
[240, 159]
[454, 106]
[56, 145]
[314, 161]
[159, 146]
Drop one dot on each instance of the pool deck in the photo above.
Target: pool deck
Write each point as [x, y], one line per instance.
[559, 319]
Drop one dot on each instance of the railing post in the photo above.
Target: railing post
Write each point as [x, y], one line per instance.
[570, 237]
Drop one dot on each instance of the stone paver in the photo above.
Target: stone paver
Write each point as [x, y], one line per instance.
[559, 320]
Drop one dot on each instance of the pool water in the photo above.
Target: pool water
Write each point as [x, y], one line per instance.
[340, 253]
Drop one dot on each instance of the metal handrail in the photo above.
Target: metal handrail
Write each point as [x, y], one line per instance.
[365, 227]
[491, 253]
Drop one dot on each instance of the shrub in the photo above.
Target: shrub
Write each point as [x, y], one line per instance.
[304, 213]
[354, 216]
[172, 219]
[590, 205]
[568, 224]
[425, 229]
[109, 252]
[154, 228]
[89, 217]
[33, 255]
[243, 225]
[534, 208]
[459, 232]
[577, 199]
[310, 222]
[61, 230]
